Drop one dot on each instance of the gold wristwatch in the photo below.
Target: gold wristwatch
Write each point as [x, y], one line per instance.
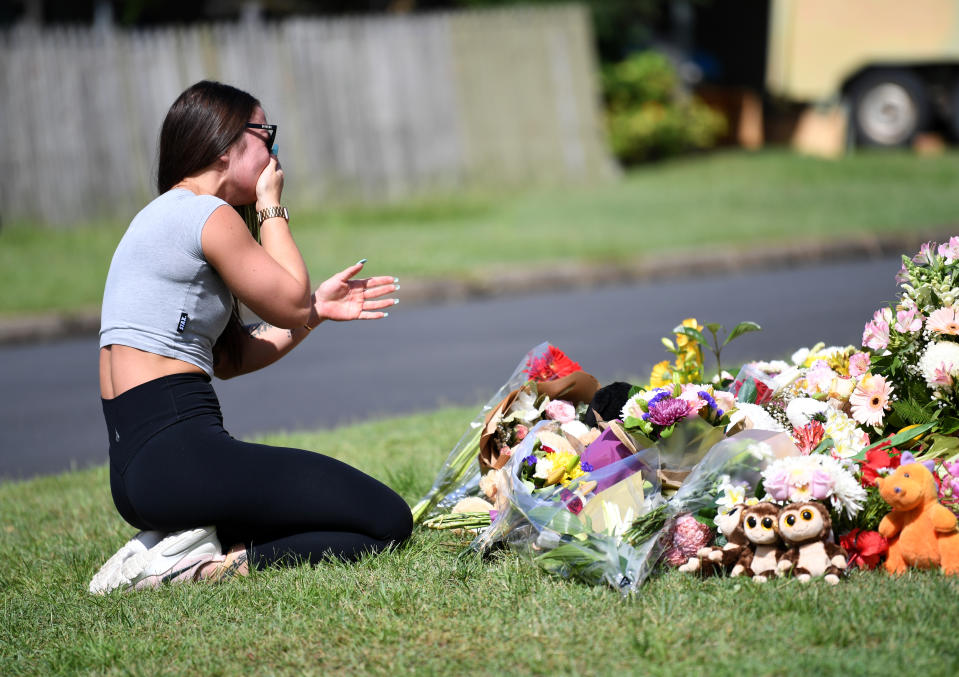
[271, 212]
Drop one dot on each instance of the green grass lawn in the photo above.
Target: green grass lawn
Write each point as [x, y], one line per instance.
[421, 609]
[725, 198]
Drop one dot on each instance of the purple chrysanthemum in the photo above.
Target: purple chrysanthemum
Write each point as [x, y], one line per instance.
[654, 400]
[530, 460]
[585, 467]
[667, 411]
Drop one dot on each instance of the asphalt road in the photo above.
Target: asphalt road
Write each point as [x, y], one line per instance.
[428, 356]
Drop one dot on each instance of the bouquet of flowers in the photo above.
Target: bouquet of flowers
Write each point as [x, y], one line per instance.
[606, 501]
[528, 396]
[914, 348]
[569, 515]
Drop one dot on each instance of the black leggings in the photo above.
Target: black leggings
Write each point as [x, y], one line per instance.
[174, 467]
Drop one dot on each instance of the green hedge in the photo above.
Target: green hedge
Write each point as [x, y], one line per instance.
[649, 116]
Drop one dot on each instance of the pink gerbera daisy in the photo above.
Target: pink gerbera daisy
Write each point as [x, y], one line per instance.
[870, 399]
[944, 321]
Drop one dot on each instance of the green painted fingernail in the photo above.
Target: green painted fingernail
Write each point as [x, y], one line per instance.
[396, 280]
[360, 262]
[395, 301]
[397, 287]
[386, 314]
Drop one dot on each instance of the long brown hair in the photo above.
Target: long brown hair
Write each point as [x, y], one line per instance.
[201, 125]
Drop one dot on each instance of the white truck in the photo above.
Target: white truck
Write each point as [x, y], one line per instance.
[894, 64]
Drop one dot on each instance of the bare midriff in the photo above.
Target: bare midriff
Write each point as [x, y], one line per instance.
[123, 367]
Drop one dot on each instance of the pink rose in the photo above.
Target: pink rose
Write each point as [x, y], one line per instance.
[521, 431]
[777, 486]
[724, 400]
[820, 485]
[561, 410]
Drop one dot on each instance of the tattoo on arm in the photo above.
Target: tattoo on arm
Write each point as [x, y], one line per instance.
[263, 327]
[258, 328]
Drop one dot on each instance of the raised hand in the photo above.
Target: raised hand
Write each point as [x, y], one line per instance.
[269, 185]
[342, 298]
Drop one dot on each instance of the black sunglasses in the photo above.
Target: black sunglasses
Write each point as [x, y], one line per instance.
[270, 128]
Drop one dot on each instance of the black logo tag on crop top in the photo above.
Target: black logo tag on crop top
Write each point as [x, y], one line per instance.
[181, 325]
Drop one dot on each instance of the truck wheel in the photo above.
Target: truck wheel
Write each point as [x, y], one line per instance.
[888, 108]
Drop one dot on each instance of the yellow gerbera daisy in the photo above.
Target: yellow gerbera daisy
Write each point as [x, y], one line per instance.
[662, 375]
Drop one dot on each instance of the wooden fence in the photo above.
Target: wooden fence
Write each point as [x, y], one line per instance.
[369, 109]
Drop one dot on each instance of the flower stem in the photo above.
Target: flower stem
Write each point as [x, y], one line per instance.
[456, 468]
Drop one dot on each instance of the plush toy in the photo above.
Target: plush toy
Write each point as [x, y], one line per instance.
[921, 532]
[717, 559]
[760, 557]
[807, 531]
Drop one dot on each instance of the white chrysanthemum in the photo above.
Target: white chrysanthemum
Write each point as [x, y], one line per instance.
[544, 467]
[814, 477]
[755, 417]
[632, 406]
[940, 359]
[847, 492]
[800, 410]
[848, 438]
[799, 357]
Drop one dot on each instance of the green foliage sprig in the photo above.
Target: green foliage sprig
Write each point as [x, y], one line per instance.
[715, 347]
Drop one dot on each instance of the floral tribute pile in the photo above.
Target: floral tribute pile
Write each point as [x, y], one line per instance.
[788, 468]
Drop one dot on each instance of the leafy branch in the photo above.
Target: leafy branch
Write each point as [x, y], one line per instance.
[715, 347]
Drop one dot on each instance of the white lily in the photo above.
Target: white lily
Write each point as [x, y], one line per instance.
[617, 522]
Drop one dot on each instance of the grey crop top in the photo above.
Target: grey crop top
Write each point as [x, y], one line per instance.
[161, 294]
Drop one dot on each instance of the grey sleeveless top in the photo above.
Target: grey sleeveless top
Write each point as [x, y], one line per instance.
[161, 294]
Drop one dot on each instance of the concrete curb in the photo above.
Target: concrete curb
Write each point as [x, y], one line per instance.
[46, 327]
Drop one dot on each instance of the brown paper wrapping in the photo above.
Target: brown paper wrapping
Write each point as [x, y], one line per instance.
[578, 387]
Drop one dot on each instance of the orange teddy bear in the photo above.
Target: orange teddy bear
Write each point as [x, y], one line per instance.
[921, 532]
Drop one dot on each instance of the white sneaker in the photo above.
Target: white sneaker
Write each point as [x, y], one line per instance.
[110, 575]
[178, 557]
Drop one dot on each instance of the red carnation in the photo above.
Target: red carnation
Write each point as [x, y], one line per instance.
[876, 460]
[865, 549]
[551, 366]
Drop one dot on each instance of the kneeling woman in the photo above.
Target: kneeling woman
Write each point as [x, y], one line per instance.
[169, 323]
